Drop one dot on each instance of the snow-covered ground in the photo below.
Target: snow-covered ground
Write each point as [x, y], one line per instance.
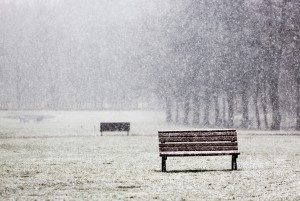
[61, 155]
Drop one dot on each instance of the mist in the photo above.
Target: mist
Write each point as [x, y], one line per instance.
[209, 63]
[149, 99]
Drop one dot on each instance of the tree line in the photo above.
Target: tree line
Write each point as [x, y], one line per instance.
[71, 55]
[231, 63]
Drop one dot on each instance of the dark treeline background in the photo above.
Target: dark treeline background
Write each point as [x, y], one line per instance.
[214, 63]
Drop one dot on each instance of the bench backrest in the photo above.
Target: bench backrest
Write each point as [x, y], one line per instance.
[209, 140]
[114, 126]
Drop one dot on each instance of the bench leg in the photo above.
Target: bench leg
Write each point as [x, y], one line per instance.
[127, 133]
[163, 164]
[101, 133]
[233, 162]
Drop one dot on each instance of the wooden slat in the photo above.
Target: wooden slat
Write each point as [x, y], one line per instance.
[199, 153]
[197, 134]
[198, 144]
[198, 148]
[114, 126]
[197, 139]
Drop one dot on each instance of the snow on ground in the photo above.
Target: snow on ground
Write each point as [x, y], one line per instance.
[66, 158]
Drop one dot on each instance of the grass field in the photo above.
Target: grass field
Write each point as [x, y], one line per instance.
[61, 155]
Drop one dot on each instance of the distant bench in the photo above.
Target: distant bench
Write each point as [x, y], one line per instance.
[114, 126]
[198, 143]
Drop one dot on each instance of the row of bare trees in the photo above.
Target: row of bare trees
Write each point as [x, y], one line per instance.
[232, 63]
[66, 54]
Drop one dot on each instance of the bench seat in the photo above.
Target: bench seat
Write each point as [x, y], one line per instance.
[199, 153]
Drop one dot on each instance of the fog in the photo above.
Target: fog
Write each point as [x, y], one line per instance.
[208, 62]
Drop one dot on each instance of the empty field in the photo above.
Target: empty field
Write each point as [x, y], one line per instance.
[61, 155]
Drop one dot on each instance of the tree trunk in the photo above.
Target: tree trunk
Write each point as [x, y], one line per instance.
[297, 74]
[186, 111]
[224, 112]
[245, 103]
[264, 103]
[177, 112]
[18, 87]
[196, 108]
[168, 109]
[230, 108]
[206, 108]
[256, 105]
[274, 90]
[217, 110]
[274, 99]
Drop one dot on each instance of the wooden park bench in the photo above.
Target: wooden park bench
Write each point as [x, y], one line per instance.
[198, 143]
[114, 126]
